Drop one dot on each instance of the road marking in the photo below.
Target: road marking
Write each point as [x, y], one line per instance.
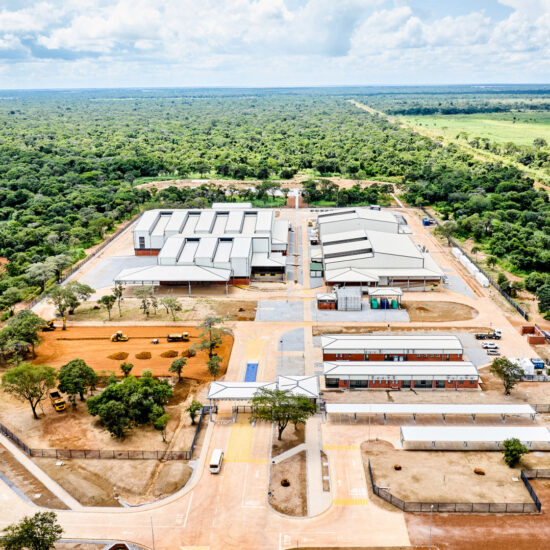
[350, 502]
[188, 508]
[240, 441]
[340, 448]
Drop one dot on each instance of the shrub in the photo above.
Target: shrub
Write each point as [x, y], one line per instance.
[513, 451]
[143, 355]
[170, 353]
[118, 356]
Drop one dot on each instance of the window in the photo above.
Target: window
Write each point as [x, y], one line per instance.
[142, 242]
[440, 383]
[358, 383]
[331, 382]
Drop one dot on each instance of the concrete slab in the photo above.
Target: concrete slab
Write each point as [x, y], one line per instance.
[457, 284]
[473, 350]
[290, 365]
[293, 340]
[279, 310]
[365, 315]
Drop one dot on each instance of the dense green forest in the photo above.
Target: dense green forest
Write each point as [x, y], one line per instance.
[69, 161]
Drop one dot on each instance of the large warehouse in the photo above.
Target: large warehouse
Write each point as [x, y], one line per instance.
[405, 347]
[229, 243]
[365, 248]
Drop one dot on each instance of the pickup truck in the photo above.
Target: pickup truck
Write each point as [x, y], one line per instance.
[489, 345]
[57, 401]
[496, 334]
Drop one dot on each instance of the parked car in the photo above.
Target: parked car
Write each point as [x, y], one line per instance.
[493, 352]
[489, 345]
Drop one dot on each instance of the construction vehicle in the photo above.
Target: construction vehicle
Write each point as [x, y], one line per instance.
[496, 334]
[119, 337]
[58, 402]
[183, 337]
[49, 326]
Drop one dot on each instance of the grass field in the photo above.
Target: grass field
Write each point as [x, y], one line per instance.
[518, 127]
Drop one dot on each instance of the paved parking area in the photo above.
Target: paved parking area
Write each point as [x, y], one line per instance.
[457, 284]
[103, 273]
[290, 365]
[293, 340]
[279, 310]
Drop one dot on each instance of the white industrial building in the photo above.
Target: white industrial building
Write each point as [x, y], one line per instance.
[229, 243]
[370, 248]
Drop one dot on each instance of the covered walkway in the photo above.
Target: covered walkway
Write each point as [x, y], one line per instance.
[442, 409]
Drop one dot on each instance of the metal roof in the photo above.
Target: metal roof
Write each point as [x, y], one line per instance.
[395, 244]
[279, 234]
[429, 408]
[223, 252]
[177, 221]
[393, 342]
[408, 370]
[349, 275]
[207, 248]
[306, 386]
[188, 253]
[177, 273]
[474, 433]
[172, 248]
[235, 221]
[161, 224]
[147, 220]
[241, 247]
[345, 236]
[206, 222]
[237, 391]
[263, 259]
[385, 291]
[231, 205]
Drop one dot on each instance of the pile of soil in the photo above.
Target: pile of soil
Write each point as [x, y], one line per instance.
[119, 356]
[169, 353]
[143, 355]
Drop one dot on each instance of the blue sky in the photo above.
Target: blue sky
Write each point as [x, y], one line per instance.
[111, 43]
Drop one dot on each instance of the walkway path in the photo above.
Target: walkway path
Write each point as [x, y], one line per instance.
[317, 500]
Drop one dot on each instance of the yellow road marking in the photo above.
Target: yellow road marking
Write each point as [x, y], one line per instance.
[350, 502]
[255, 349]
[340, 447]
[249, 461]
[240, 441]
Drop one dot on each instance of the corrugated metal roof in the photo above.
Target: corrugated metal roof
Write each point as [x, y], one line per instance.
[188, 253]
[158, 230]
[264, 221]
[394, 342]
[237, 391]
[280, 231]
[399, 369]
[263, 259]
[178, 273]
[241, 247]
[305, 386]
[426, 408]
[206, 222]
[223, 252]
[474, 433]
[235, 222]
[177, 221]
[231, 205]
[172, 247]
[393, 243]
[220, 224]
[147, 220]
[349, 275]
[207, 248]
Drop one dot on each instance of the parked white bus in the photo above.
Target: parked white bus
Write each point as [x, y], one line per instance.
[216, 461]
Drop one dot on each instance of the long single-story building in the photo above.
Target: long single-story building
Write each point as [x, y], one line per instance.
[226, 244]
[405, 347]
[455, 375]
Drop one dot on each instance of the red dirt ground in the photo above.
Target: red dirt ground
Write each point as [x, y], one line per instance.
[93, 344]
[486, 532]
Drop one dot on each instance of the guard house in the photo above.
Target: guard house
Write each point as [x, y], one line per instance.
[405, 347]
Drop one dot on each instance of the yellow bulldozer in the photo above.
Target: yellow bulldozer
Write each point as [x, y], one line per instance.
[119, 337]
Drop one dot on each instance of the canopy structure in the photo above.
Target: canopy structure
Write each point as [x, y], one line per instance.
[473, 437]
[442, 409]
[305, 386]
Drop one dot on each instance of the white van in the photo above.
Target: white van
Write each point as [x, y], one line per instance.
[216, 461]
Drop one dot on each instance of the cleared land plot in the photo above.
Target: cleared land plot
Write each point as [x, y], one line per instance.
[93, 344]
[291, 500]
[193, 310]
[432, 476]
[27, 483]
[439, 311]
[487, 531]
[498, 127]
[93, 482]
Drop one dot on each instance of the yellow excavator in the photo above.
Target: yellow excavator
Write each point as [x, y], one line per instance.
[119, 337]
[50, 325]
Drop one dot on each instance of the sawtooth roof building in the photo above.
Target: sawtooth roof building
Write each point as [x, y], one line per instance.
[372, 248]
[228, 243]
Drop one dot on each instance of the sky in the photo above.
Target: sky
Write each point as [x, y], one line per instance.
[249, 43]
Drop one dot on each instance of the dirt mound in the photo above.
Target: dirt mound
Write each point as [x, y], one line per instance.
[143, 355]
[118, 356]
[169, 353]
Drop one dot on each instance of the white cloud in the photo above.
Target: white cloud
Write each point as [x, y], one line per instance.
[254, 42]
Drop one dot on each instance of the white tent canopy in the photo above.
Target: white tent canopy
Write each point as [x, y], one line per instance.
[473, 437]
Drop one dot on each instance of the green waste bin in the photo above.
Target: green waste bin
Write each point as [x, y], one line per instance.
[394, 304]
[374, 303]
